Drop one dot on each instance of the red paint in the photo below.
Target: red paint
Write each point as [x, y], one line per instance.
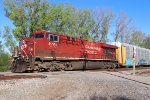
[66, 47]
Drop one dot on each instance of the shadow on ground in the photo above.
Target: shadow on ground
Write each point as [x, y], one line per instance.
[113, 98]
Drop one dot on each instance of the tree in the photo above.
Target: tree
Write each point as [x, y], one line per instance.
[67, 20]
[27, 16]
[31, 15]
[138, 38]
[37, 11]
[15, 11]
[1, 47]
[4, 58]
[84, 26]
[120, 27]
[103, 21]
[124, 29]
[9, 41]
[60, 18]
[146, 43]
[4, 62]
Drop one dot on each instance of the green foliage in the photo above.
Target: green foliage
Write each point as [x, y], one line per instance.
[4, 62]
[60, 19]
[138, 38]
[1, 47]
[9, 41]
[65, 19]
[15, 11]
[31, 15]
[84, 25]
[146, 43]
[4, 58]
[27, 16]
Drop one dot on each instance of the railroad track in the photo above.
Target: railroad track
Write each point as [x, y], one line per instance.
[11, 77]
[119, 69]
[123, 75]
[126, 78]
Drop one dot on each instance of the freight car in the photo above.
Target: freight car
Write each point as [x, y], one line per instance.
[46, 51]
[125, 53]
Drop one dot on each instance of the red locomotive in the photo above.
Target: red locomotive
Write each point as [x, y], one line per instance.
[46, 51]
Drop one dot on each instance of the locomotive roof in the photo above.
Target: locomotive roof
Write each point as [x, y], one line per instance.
[55, 33]
[63, 35]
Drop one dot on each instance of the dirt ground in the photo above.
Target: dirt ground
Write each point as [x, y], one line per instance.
[76, 85]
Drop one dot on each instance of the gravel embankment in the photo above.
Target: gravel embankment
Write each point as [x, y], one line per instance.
[74, 86]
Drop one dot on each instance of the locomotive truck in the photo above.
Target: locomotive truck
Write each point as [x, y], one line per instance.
[47, 51]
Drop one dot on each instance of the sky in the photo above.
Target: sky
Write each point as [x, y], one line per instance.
[138, 10]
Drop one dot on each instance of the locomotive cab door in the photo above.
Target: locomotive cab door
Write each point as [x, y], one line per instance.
[53, 41]
[39, 45]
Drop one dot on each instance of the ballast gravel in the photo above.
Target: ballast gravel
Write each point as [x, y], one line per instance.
[75, 85]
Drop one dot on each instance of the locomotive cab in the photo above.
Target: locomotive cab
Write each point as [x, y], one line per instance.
[24, 55]
[37, 42]
[27, 45]
[45, 41]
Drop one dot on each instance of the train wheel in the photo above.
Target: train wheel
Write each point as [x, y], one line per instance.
[68, 67]
[53, 67]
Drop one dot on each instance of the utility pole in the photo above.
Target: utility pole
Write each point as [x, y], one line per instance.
[133, 66]
[134, 56]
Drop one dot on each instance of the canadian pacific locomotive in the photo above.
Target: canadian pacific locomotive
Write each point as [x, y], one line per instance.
[46, 51]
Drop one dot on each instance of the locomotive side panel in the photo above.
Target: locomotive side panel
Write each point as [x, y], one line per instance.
[60, 48]
[65, 48]
[69, 48]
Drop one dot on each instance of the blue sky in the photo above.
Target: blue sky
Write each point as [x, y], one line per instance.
[138, 10]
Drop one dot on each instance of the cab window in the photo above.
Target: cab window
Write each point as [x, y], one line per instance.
[41, 35]
[53, 38]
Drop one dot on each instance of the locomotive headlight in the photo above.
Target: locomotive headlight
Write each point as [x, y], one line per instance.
[30, 49]
[31, 43]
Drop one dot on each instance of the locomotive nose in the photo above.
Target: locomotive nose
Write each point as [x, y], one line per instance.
[23, 44]
[26, 47]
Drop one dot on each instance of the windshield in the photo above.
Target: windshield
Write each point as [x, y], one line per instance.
[41, 35]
